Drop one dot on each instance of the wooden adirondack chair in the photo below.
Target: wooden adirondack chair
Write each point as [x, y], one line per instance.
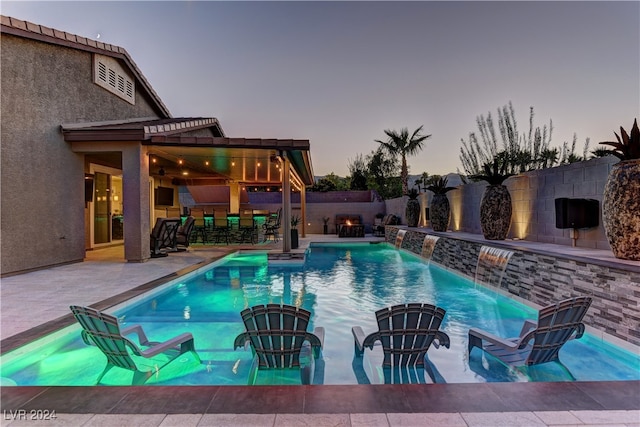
[538, 342]
[406, 332]
[279, 339]
[103, 331]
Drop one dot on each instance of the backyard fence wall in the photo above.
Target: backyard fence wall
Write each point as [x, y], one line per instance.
[542, 279]
[533, 197]
[320, 205]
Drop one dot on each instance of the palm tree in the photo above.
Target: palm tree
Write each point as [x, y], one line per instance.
[403, 145]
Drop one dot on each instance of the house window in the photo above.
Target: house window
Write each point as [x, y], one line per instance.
[110, 75]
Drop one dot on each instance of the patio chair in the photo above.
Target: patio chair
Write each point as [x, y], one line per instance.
[406, 332]
[221, 229]
[199, 226]
[379, 229]
[102, 330]
[538, 342]
[271, 226]
[247, 227]
[183, 234]
[279, 340]
[163, 236]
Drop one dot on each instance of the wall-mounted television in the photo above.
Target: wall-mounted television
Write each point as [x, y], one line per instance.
[576, 213]
[163, 196]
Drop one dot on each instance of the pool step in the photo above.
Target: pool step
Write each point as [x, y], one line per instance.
[296, 257]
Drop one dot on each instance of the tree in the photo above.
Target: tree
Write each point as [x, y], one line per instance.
[403, 145]
[383, 174]
[569, 155]
[522, 151]
[423, 181]
[339, 182]
[358, 171]
[323, 185]
[330, 182]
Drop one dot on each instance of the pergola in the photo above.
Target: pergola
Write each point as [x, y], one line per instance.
[193, 152]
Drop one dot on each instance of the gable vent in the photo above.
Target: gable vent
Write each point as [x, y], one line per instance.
[109, 75]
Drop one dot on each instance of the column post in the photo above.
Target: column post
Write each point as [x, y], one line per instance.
[136, 187]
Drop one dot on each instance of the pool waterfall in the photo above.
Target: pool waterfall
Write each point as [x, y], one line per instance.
[399, 238]
[428, 246]
[492, 263]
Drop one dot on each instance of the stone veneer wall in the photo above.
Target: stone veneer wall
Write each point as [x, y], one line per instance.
[542, 278]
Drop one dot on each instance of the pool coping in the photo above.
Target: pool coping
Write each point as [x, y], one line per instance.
[327, 399]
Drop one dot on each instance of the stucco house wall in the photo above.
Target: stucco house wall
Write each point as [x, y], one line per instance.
[43, 86]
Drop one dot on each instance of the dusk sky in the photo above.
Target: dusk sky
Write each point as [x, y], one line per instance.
[339, 73]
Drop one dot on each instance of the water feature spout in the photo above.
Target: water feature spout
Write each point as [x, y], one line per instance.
[492, 263]
[428, 246]
[399, 238]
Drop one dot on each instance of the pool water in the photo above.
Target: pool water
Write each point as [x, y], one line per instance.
[342, 285]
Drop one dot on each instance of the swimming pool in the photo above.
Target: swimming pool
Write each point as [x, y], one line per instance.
[342, 285]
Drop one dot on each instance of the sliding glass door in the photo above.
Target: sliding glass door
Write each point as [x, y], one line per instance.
[107, 209]
[102, 208]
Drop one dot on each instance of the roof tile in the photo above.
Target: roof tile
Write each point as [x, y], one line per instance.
[33, 27]
[47, 31]
[18, 23]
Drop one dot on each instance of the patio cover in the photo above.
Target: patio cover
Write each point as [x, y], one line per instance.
[194, 151]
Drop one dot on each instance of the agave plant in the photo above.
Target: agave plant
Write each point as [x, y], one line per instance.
[412, 212]
[495, 207]
[495, 173]
[628, 145]
[440, 211]
[621, 197]
[439, 185]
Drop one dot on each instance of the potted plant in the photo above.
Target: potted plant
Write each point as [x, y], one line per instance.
[440, 211]
[295, 220]
[325, 224]
[621, 198]
[412, 211]
[495, 207]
